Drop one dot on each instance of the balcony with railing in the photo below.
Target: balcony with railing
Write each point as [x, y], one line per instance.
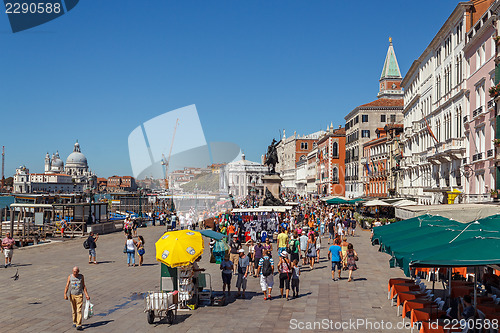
[466, 119]
[477, 157]
[477, 112]
[489, 153]
[491, 104]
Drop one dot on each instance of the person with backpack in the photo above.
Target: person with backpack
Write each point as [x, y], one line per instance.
[294, 247]
[285, 269]
[258, 254]
[91, 246]
[266, 270]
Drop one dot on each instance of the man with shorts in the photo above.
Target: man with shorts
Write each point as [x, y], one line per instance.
[335, 253]
[294, 247]
[282, 241]
[91, 240]
[243, 270]
[8, 249]
[266, 270]
[234, 246]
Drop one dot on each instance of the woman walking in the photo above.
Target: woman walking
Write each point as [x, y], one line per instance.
[268, 247]
[344, 245]
[140, 249]
[227, 273]
[251, 254]
[311, 250]
[285, 270]
[318, 246]
[130, 245]
[352, 257]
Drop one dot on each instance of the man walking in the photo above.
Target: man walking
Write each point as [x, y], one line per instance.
[243, 270]
[266, 270]
[335, 253]
[303, 246]
[91, 241]
[282, 241]
[8, 249]
[76, 286]
[234, 246]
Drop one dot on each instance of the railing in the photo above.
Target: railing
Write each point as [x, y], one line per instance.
[475, 198]
[477, 112]
[491, 103]
[466, 119]
[464, 160]
[489, 153]
[335, 180]
[477, 157]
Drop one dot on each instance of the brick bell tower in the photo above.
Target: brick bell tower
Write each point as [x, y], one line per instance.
[390, 79]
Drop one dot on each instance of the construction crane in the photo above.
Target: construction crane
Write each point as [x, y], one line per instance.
[3, 167]
[165, 162]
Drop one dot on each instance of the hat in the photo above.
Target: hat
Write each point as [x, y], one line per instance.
[303, 232]
[241, 251]
[235, 236]
[283, 253]
[258, 240]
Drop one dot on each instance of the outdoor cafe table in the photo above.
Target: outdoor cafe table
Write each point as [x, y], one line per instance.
[417, 304]
[484, 300]
[461, 283]
[409, 295]
[429, 327]
[425, 314]
[402, 287]
[461, 291]
[397, 280]
[488, 308]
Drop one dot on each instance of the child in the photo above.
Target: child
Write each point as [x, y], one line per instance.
[295, 278]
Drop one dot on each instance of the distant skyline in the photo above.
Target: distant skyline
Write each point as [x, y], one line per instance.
[251, 68]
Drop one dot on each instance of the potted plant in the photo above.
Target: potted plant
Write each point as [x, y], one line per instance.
[392, 191]
[494, 194]
[494, 91]
[496, 142]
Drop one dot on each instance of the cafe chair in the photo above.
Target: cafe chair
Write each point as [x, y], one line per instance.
[429, 293]
[497, 300]
[422, 286]
[448, 312]
[440, 305]
[437, 300]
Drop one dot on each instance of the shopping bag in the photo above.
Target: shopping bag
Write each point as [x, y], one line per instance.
[88, 311]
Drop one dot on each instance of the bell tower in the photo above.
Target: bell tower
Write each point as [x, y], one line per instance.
[390, 79]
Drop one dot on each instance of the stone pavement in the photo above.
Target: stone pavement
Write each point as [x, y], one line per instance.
[35, 303]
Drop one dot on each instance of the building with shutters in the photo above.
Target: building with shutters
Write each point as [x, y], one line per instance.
[330, 162]
[362, 122]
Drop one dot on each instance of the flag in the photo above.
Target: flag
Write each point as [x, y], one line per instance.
[430, 130]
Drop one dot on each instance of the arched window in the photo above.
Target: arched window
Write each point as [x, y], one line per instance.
[335, 175]
[335, 150]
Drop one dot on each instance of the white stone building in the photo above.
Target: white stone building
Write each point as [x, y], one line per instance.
[240, 177]
[435, 101]
[76, 176]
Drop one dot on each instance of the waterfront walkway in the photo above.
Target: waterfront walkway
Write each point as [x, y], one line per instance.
[35, 303]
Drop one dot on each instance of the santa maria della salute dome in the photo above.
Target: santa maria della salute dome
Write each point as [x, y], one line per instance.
[76, 165]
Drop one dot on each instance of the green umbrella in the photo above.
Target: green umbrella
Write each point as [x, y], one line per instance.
[337, 201]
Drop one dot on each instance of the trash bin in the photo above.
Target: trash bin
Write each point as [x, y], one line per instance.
[168, 281]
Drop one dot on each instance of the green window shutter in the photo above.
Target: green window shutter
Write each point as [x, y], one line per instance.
[497, 73]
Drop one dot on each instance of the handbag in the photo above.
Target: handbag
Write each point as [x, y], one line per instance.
[125, 249]
[356, 258]
[141, 252]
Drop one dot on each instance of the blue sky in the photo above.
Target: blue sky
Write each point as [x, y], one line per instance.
[253, 68]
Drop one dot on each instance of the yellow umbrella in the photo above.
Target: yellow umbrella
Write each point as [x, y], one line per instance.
[179, 248]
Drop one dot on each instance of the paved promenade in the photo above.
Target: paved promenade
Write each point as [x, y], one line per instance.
[35, 303]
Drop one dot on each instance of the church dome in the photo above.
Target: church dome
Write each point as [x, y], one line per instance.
[76, 158]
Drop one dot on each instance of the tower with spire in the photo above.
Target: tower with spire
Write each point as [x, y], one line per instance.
[390, 79]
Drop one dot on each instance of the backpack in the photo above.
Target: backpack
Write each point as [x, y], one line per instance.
[294, 246]
[86, 244]
[267, 269]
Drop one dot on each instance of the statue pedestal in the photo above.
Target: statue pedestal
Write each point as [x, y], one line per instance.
[273, 184]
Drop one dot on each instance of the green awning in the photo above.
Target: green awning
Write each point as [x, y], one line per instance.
[337, 201]
[212, 234]
[385, 233]
[476, 251]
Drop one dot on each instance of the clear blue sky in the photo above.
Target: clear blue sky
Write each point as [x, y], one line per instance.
[252, 68]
